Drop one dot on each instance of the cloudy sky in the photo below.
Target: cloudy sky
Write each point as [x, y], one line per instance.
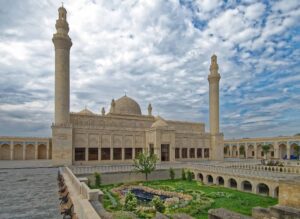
[157, 51]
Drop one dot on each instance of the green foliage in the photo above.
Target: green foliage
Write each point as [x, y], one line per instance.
[145, 163]
[183, 175]
[89, 183]
[297, 151]
[220, 195]
[158, 204]
[190, 176]
[97, 179]
[130, 202]
[242, 150]
[172, 173]
[266, 149]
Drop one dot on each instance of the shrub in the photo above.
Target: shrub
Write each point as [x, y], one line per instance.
[158, 204]
[130, 202]
[172, 174]
[190, 176]
[97, 179]
[183, 176]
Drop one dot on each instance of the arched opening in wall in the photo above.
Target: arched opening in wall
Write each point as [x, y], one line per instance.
[263, 189]
[232, 183]
[294, 150]
[50, 151]
[42, 151]
[234, 151]
[200, 177]
[250, 151]
[220, 181]
[282, 151]
[226, 151]
[5, 152]
[276, 192]
[247, 186]
[29, 152]
[242, 151]
[210, 179]
[271, 153]
[18, 152]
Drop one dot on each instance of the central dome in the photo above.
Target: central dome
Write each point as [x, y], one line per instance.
[126, 105]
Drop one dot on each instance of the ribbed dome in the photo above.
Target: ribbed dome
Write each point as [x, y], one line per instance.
[159, 123]
[126, 105]
[86, 112]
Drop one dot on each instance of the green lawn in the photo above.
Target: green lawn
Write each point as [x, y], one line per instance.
[205, 198]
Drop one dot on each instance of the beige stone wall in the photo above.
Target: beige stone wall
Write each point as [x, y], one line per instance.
[289, 193]
[24, 148]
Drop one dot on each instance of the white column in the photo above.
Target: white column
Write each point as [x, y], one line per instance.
[24, 151]
[35, 151]
[288, 152]
[47, 151]
[11, 150]
[246, 150]
[255, 150]
[276, 150]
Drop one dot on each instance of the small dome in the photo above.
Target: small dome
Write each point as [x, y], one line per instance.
[126, 105]
[86, 112]
[159, 123]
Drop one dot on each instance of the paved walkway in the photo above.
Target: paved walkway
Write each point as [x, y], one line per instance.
[29, 193]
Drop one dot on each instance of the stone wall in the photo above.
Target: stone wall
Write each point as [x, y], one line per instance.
[125, 177]
[290, 193]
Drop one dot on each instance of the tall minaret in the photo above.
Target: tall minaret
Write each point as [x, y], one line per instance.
[62, 43]
[214, 78]
[217, 138]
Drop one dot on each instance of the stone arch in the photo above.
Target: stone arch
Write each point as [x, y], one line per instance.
[18, 152]
[250, 151]
[42, 151]
[234, 150]
[200, 177]
[30, 152]
[220, 181]
[293, 151]
[271, 153]
[5, 152]
[210, 179]
[262, 189]
[282, 151]
[246, 186]
[232, 183]
[227, 151]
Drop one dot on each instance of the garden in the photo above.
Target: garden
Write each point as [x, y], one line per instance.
[176, 197]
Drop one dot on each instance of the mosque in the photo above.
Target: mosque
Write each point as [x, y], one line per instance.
[122, 133]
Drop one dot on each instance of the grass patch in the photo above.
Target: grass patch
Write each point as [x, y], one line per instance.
[205, 198]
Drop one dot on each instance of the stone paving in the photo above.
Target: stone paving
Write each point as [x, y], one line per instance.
[29, 193]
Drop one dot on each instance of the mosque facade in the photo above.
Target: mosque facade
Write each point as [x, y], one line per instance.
[119, 135]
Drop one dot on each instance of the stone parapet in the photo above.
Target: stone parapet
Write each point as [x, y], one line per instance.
[221, 213]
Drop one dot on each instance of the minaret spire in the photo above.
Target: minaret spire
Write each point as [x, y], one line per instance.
[62, 43]
[216, 138]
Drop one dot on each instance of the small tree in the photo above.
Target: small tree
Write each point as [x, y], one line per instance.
[190, 176]
[297, 151]
[183, 176]
[266, 149]
[172, 174]
[130, 202]
[158, 204]
[97, 179]
[145, 163]
[242, 150]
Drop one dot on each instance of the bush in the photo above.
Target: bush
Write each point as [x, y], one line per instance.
[97, 179]
[172, 174]
[158, 204]
[183, 176]
[190, 176]
[130, 202]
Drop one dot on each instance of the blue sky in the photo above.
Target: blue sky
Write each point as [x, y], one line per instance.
[157, 51]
